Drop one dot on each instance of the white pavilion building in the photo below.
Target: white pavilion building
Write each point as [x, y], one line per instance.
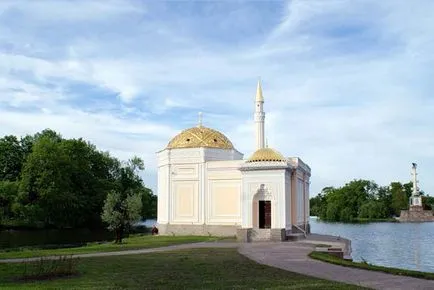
[205, 187]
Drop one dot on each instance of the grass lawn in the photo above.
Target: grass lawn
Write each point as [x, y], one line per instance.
[222, 268]
[396, 271]
[131, 243]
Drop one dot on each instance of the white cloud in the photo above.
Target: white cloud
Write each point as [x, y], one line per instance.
[347, 85]
[78, 10]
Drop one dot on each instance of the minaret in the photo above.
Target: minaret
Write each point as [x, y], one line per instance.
[259, 117]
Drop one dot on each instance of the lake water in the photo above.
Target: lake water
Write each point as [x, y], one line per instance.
[400, 245]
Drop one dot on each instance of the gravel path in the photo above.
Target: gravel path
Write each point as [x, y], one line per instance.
[133, 252]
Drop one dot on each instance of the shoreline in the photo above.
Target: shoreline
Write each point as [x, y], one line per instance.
[347, 260]
[360, 221]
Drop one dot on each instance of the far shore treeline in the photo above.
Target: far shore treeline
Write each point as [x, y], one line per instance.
[47, 181]
[361, 200]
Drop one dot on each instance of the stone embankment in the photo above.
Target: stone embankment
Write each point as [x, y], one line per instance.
[416, 214]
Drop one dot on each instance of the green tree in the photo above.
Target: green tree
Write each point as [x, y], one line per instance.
[65, 182]
[149, 203]
[399, 197]
[120, 212]
[428, 202]
[124, 204]
[92, 175]
[8, 195]
[318, 204]
[11, 158]
[373, 209]
[408, 189]
[385, 198]
[345, 203]
[46, 185]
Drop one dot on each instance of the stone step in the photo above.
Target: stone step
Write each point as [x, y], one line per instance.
[295, 236]
[261, 235]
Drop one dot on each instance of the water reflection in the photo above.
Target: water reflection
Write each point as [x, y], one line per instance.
[400, 245]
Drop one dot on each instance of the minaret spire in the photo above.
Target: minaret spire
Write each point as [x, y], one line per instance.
[259, 96]
[200, 119]
[259, 117]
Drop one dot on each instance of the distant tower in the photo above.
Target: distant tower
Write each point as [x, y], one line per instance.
[259, 117]
[199, 124]
[415, 199]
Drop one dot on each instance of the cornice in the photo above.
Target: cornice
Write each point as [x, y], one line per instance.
[264, 165]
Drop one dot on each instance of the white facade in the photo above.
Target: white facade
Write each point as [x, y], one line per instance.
[215, 191]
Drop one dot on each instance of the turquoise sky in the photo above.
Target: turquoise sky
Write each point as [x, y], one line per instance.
[348, 85]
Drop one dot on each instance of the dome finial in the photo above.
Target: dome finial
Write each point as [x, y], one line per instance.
[200, 119]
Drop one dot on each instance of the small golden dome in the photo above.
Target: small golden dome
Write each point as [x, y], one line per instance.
[200, 136]
[266, 154]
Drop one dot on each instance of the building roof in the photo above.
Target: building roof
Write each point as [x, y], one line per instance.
[200, 136]
[266, 154]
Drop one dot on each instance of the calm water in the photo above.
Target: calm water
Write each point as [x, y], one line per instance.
[400, 245]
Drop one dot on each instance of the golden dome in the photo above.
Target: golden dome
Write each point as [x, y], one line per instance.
[200, 136]
[266, 154]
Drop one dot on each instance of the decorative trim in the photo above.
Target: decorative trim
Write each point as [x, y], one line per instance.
[264, 165]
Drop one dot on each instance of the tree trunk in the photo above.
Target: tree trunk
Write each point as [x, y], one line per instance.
[121, 234]
[118, 236]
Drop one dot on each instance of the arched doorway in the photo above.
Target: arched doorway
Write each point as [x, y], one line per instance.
[262, 208]
[264, 214]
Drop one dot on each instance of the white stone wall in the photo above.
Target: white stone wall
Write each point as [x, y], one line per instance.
[288, 204]
[300, 201]
[274, 185]
[223, 193]
[301, 191]
[188, 194]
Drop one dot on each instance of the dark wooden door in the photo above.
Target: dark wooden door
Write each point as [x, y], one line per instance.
[267, 213]
[264, 214]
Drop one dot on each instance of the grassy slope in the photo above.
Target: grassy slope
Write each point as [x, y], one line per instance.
[186, 269]
[134, 242]
[402, 272]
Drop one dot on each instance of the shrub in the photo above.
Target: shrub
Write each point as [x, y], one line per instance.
[46, 268]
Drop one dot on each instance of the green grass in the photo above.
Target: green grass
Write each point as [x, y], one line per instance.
[131, 243]
[187, 269]
[325, 257]
[323, 246]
